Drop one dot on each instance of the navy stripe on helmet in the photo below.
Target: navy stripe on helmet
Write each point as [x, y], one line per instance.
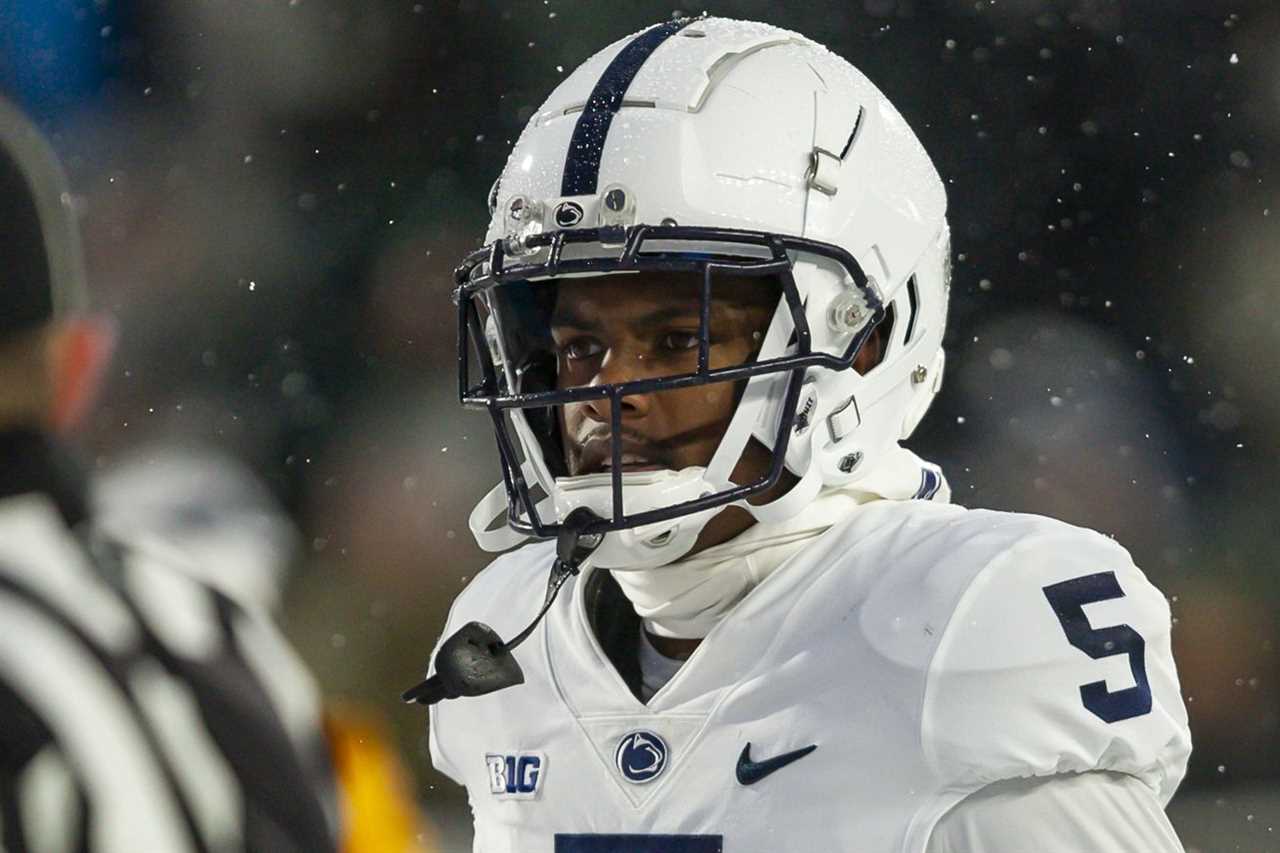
[582, 165]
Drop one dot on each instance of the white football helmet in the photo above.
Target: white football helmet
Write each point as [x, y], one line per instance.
[719, 147]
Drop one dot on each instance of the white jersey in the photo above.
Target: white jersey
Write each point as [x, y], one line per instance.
[907, 658]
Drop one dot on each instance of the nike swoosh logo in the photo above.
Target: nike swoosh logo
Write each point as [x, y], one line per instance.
[751, 772]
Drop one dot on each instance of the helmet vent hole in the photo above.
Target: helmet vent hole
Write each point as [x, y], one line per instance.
[853, 134]
[913, 300]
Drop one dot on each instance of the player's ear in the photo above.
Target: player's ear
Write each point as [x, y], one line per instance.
[79, 351]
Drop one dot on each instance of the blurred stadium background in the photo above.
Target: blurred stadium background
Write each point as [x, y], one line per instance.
[274, 193]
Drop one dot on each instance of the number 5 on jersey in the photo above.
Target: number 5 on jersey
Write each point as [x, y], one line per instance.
[1068, 599]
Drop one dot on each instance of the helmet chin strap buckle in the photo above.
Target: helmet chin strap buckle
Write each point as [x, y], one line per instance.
[475, 660]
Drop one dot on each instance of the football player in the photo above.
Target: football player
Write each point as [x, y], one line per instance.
[710, 308]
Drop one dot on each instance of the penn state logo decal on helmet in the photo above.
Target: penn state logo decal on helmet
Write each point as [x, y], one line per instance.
[641, 757]
[568, 214]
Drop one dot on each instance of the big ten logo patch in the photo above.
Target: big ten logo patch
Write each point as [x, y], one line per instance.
[515, 775]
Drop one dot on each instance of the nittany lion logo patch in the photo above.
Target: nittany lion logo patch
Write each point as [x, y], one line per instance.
[641, 757]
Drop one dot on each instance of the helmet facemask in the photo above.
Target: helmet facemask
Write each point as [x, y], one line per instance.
[513, 304]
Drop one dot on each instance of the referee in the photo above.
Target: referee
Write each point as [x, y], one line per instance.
[140, 709]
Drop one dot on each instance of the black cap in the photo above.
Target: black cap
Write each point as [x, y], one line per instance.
[41, 270]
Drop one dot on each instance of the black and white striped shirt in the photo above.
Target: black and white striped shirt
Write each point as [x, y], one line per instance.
[140, 709]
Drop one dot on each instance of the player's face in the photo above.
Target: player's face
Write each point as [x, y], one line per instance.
[638, 326]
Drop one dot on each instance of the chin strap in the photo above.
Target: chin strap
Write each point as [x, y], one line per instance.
[790, 505]
[488, 522]
[475, 660]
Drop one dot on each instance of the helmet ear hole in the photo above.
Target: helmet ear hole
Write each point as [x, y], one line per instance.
[873, 351]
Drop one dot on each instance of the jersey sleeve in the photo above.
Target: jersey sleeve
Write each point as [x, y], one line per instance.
[435, 738]
[439, 757]
[1056, 660]
[1067, 813]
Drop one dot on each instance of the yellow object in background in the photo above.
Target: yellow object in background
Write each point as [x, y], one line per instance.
[379, 814]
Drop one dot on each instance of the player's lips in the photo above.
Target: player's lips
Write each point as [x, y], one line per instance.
[597, 456]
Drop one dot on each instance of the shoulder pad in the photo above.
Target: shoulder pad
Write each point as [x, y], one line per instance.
[506, 593]
[1056, 659]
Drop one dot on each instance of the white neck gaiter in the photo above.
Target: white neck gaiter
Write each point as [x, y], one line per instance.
[687, 598]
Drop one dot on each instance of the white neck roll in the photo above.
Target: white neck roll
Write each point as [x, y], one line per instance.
[687, 598]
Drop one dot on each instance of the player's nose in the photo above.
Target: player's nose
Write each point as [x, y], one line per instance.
[622, 365]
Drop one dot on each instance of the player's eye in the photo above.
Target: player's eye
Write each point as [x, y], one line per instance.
[581, 348]
[679, 341]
